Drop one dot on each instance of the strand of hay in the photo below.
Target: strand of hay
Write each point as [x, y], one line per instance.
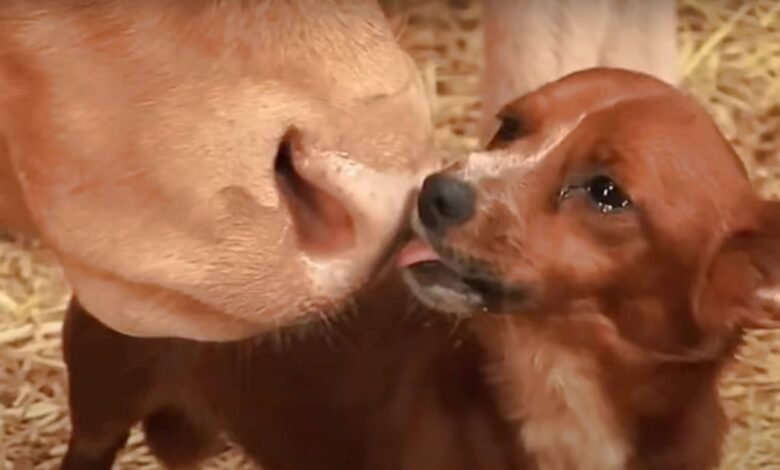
[731, 57]
[730, 61]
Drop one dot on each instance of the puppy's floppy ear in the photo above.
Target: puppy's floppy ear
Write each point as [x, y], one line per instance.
[740, 286]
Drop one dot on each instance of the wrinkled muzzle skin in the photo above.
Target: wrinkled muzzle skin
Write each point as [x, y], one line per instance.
[210, 170]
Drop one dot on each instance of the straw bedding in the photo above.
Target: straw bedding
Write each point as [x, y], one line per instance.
[730, 61]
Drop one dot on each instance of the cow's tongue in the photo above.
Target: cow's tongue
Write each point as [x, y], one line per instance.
[416, 251]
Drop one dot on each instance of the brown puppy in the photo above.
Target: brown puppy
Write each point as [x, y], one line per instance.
[205, 169]
[615, 232]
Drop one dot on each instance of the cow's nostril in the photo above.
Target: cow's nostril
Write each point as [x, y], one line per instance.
[445, 202]
[322, 223]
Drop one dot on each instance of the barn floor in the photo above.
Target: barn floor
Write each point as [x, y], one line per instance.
[731, 62]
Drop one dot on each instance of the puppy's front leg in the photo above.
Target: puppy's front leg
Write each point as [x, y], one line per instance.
[531, 42]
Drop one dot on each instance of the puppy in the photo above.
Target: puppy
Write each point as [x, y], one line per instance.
[608, 250]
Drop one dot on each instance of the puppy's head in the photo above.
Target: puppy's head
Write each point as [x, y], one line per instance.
[606, 193]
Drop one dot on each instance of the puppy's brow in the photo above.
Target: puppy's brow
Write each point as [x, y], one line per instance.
[485, 164]
[512, 127]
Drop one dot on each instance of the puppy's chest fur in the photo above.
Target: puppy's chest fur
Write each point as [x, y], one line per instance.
[553, 395]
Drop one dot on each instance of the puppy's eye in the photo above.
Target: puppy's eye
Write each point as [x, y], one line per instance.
[511, 129]
[606, 194]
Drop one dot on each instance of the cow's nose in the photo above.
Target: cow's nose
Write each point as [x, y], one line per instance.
[445, 202]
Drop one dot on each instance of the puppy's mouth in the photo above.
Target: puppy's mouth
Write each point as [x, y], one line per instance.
[449, 284]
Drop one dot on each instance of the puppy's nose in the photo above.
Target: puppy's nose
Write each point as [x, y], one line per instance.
[445, 202]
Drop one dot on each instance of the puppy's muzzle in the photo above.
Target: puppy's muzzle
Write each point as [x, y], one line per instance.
[445, 202]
